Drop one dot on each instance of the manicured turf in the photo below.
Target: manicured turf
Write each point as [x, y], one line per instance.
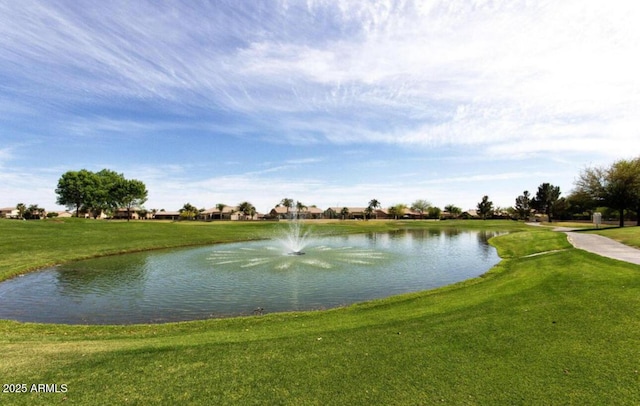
[556, 328]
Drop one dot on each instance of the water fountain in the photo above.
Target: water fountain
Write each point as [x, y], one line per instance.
[296, 237]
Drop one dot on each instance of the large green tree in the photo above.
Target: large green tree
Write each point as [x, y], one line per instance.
[616, 187]
[485, 207]
[107, 197]
[94, 193]
[129, 194]
[545, 199]
[77, 189]
[523, 205]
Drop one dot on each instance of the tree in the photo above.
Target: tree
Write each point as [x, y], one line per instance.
[434, 212]
[373, 204]
[420, 206]
[368, 212]
[77, 189]
[22, 208]
[247, 209]
[454, 210]
[288, 203]
[128, 194]
[545, 199]
[523, 205]
[95, 193]
[110, 188]
[485, 207]
[581, 204]
[397, 210]
[33, 212]
[188, 212]
[220, 207]
[344, 212]
[617, 187]
[300, 208]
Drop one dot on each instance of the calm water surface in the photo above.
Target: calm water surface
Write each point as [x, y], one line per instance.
[235, 279]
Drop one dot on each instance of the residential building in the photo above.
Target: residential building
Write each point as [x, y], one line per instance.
[9, 212]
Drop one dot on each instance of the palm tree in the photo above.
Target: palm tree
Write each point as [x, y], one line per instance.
[344, 212]
[247, 209]
[21, 207]
[188, 211]
[220, 207]
[288, 203]
[373, 204]
[454, 210]
[300, 208]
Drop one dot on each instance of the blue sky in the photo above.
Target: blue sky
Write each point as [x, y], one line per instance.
[332, 103]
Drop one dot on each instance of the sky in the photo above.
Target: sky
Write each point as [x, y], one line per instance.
[328, 102]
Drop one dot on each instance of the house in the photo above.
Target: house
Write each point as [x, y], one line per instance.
[470, 214]
[281, 212]
[445, 215]
[313, 212]
[407, 214]
[413, 214]
[354, 213]
[9, 212]
[122, 213]
[215, 214]
[167, 215]
[228, 213]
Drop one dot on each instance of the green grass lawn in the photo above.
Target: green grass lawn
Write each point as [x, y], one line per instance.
[556, 328]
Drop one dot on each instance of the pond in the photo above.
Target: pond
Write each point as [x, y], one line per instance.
[245, 278]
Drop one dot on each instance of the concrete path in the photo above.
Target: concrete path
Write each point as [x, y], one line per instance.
[597, 244]
[604, 246]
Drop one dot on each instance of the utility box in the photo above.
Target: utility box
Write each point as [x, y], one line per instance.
[597, 219]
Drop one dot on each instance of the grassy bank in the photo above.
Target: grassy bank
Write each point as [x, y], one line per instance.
[34, 244]
[556, 328]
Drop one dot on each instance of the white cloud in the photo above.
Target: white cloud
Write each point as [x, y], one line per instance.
[504, 79]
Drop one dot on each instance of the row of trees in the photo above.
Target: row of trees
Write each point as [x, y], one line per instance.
[88, 192]
[545, 201]
[606, 189]
[31, 212]
[423, 207]
[190, 212]
[616, 187]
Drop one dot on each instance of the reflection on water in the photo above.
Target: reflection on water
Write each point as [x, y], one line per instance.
[234, 279]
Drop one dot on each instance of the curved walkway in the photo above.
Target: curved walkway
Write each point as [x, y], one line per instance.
[597, 244]
[604, 246]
